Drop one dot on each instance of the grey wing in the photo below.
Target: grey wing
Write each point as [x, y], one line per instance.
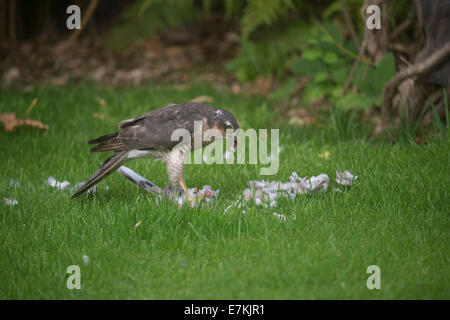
[130, 122]
[154, 130]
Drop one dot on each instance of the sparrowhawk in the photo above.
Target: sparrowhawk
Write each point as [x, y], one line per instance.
[149, 135]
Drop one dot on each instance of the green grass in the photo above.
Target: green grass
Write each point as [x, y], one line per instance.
[396, 216]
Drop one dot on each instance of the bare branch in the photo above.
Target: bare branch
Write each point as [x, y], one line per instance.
[402, 27]
[417, 69]
[350, 25]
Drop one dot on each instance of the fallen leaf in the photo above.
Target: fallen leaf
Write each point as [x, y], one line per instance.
[173, 51]
[11, 122]
[235, 88]
[203, 99]
[99, 74]
[300, 117]
[262, 85]
[59, 81]
[182, 87]
[99, 116]
[12, 74]
[101, 102]
[419, 140]
[300, 121]
[34, 123]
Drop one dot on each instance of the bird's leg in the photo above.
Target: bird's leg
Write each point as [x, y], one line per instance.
[183, 185]
[173, 192]
[175, 169]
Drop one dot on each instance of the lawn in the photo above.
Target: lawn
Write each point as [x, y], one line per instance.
[396, 215]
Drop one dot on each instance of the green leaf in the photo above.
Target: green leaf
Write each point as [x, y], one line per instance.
[325, 47]
[333, 8]
[285, 89]
[340, 75]
[352, 100]
[321, 76]
[365, 102]
[384, 71]
[334, 32]
[263, 12]
[311, 54]
[376, 79]
[347, 102]
[351, 46]
[330, 58]
[312, 92]
[308, 67]
[365, 84]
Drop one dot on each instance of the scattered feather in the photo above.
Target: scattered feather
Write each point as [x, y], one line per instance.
[236, 204]
[266, 193]
[206, 158]
[345, 178]
[247, 195]
[206, 194]
[92, 190]
[14, 183]
[56, 184]
[279, 149]
[228, 155]
[10, 202]
[89, 191]
[280, 217]
[86, 259]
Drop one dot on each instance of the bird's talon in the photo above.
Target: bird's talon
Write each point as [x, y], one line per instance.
[186, 191]
[191, 199]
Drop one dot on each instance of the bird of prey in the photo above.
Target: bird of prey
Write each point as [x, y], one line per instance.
[149, 136]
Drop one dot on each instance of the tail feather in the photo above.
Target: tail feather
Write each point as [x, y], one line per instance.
[109, 166]
[107, 142]
[103, 138]
[109, 145]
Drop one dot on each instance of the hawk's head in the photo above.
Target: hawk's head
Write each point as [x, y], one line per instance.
[227, 124]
